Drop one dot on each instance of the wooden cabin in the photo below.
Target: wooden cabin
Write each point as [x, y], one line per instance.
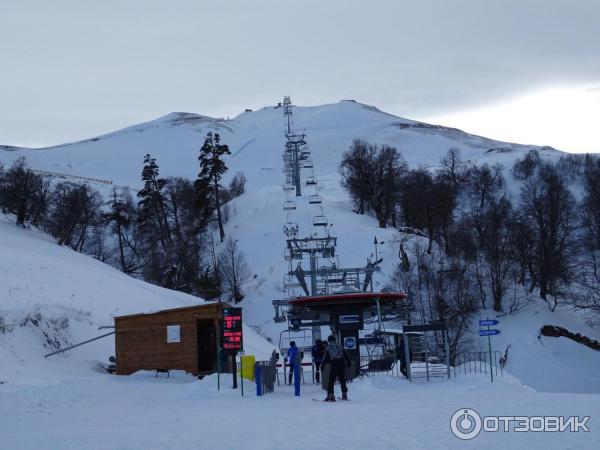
[172, 339]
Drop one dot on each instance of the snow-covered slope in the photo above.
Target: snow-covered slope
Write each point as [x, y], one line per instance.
[256, 140]
[48, 292]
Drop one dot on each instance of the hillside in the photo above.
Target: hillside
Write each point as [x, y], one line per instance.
[256, 140]
[52, 295]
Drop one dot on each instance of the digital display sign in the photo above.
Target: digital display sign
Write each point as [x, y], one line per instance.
[232, 339]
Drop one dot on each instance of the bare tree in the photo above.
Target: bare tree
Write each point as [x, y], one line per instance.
[24, 193]
[548, 212]
[75, 210]
[355, 170]
[237, 186]
[589, 273]
[495, 240]
[233, 269]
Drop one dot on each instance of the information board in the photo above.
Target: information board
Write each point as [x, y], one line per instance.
[173, 333]
[232, 338]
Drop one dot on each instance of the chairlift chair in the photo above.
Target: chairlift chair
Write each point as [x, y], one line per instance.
[315, 199]
[311, 181]
[290, 229]
[320, 221]
[288, 187]
[308, 164]
[289, 205]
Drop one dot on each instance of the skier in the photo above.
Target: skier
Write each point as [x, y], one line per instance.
[325, 368]
[317, 356]
[292, 356]
[402, 357]
[336, 357]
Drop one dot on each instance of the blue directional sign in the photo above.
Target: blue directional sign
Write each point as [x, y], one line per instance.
[491, 332]
[488, 322]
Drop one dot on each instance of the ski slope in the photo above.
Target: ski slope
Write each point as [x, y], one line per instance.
[51, 292]
[48, 292]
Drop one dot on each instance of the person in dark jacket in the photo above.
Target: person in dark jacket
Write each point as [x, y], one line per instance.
[325, 368]
[292, 357]
[402, 357]
[338, 360]
[317, 357]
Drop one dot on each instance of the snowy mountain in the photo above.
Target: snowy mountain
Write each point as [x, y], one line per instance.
[256, 140]
[51, 295]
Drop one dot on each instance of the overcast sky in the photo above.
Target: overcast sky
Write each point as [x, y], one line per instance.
[524, 70]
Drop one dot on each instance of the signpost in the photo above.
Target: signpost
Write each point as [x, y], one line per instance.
[232, 338]
[489, 332]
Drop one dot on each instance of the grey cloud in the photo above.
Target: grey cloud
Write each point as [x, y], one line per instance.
[72, 69]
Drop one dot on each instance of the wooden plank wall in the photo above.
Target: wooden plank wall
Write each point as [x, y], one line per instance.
[141, 340]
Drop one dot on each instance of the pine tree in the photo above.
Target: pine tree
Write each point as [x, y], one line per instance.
[152, 204]
[120, 218]
[212, 168]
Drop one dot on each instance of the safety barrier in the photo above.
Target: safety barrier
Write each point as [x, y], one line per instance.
[478, 362]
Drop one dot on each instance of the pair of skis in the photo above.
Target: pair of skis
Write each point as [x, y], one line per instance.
[325, 401]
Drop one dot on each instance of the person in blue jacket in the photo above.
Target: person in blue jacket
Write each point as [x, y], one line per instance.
[317, 356]
[293, 359]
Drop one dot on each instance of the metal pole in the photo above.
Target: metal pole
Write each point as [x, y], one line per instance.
[378, 313]
[219, 351]
[490, 350]
[297, 379]
[407, 356]
[447, 348]
[79, 344]
[427, 360]
[242, 374]
[234, 370]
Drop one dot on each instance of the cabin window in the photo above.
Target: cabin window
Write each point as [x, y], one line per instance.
[173, 333]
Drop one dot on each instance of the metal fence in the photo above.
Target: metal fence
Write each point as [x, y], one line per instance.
[379, 365]
[478, 362]
[427, 366]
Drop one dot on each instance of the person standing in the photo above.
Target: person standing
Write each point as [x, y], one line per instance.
[338, 360]
[325, 368]
[292, 357]
[317, 356]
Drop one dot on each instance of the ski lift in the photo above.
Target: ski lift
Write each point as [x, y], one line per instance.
[288, 187]
[289, 205]
[307, 164]
[315, 199]
[320, 221]
[311, 181]
[290, 229]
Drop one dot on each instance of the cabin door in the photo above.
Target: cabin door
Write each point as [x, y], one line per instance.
[207, 345]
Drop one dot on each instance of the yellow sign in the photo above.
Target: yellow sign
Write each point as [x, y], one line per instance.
[247, 367]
